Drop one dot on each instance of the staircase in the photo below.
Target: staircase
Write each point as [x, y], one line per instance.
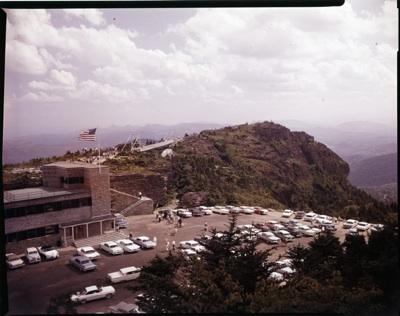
[96, 240]
[143, 206]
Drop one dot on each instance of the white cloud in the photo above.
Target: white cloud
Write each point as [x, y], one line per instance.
[40, 96]
[62, 77]
[25, 58]
[93, 16]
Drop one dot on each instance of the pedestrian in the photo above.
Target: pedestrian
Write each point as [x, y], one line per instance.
[159, 219]
[155, 240]
[205, 227]
[130, 235]
[180, 222]
[167, 246]
[173, 245]
[156, 216]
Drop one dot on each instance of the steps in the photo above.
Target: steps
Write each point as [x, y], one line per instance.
[96, 240]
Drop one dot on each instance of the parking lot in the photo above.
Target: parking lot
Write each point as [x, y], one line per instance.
[31, 287]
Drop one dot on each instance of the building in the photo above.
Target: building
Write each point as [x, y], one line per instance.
[73, 203]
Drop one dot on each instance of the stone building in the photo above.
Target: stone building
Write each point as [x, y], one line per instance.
[73, 203]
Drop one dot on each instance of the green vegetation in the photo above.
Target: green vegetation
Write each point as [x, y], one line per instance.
[353, 277]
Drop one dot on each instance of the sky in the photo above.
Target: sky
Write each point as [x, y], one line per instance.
[73, 69]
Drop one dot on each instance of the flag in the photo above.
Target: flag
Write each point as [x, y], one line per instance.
[88, 135]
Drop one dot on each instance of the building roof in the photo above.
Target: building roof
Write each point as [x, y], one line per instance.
[37, 193]
[73, 164]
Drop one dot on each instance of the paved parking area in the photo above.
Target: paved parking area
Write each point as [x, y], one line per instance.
[31, 287]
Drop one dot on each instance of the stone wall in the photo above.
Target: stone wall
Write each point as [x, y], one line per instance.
[153, 186]
[144, 206]
[120, 201]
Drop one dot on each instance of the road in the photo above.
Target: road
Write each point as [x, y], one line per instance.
[31, 287]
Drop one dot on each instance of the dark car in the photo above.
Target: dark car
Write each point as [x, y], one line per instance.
[295, 232]
[197, 212]
[299, 214]
[328, 227]
[264, 227]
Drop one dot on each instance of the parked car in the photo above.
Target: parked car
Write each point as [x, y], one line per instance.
[327, 227]
[235, 210]
[269, 237]
[13, 261]
[183, 213]
[350, 223]
[271, 223]
[188, 253]
[203, 240]
[262, 226]
[247, 211]
[124, 274]
[91, 293]
[323, 219]
[287, 213]
[120, 221]
[32, 255]
[222, 211]
[88, 252]
[309, 233]
[112, 248]
[299, 214]
[284, 235]
[197, 212]
[144, 242]
[261, 211]
[207, 211]
[363, 226]
[125, 308]
[188, 244]
[277, 227]
[82, 263]
[295, 232]
[127, 245]
[377, 227]
[352, 232]
[309, 217]
[48, 252]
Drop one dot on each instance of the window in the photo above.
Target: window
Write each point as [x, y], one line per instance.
[32, 233]
[72, 180]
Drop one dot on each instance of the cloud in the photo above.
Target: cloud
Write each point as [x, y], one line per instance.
[40, 97]
[25, 58]
[93, 16]
[62, 77]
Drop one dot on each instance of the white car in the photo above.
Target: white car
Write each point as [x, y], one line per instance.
[261, 211]
[222, 211]
[124, 274]
[323, 219]
[14, 261]
[207, 211]
[88, 252]
[352, 232]
[247, 211]
[363, 226]
[144, 242]
[92, 293]
[32, 255]
[317, 230]
[277, 227]
[183, 213]
[287, 213]
[309, 217]
[48, 252]
[112, 248]
[350, 223]
[268, 237]
[188, 244]
[188, 253]
[128, 245]
[309, 233]
[284, 235]
[276, 276]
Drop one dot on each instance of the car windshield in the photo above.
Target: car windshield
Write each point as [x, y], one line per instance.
[85, 261]
[111, 246]
[127, 243]
[47, 248]
[32, 252]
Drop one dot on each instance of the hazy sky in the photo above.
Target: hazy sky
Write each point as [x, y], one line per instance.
[73, 69]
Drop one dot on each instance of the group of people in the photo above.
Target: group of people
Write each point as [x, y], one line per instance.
[173, 246]
[169, 218]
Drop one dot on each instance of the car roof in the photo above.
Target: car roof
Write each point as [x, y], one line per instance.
[86, 248]
[129, 269]
[91, 288]
[110, 243]
[81, 258]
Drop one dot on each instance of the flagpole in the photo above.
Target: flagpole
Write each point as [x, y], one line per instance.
[98, 146]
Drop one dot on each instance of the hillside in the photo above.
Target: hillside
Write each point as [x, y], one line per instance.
[375, 171]
[258, 164]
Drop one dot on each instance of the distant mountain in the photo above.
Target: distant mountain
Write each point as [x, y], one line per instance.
[353, 141]
[16, 150]
[375, 171]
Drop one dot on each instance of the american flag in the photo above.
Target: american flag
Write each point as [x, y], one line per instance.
[88, 135]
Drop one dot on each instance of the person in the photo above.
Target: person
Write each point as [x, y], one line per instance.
[159, 219]
[155, 240]
[130, 235]
[167, 246]
[180, 222]
[173, 245]
[140, 195]
[205, 227]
